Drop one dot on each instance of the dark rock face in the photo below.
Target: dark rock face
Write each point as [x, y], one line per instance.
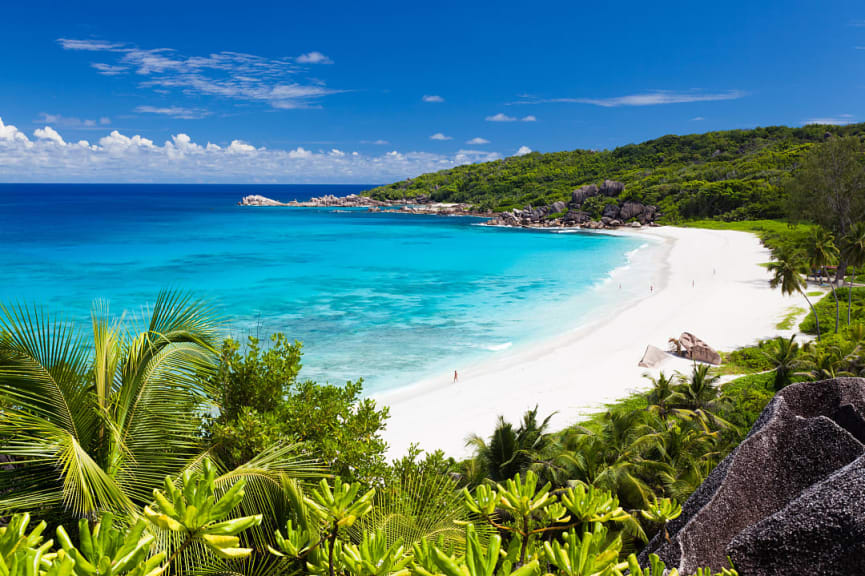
[580, 194]
[611, 211]
[631, 210]
[612, 188]
[558, 207]
[790, 499]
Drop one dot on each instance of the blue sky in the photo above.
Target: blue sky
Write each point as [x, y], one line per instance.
[374, 91]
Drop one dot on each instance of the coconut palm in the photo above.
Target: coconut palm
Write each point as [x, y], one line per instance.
[512, 451]
[698, 396]
[787, 273]
[853, 251]
[783, 353]
[96, 426]
[660, 394]
[822, 252]
[612, 457]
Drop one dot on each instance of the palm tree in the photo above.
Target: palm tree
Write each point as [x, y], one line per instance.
[511, 451]
[783, 353]
[95, 427]
[660, 394]
[822, 252]
[697, 395]
[787, 273]
[853, 251]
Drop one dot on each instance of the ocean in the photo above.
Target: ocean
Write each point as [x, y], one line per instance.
[390, 298]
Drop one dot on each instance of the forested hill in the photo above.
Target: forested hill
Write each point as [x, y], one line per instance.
[730, 175]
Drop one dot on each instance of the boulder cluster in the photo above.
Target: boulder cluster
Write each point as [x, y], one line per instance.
[572, 214]
[790, 499]
[328, 200]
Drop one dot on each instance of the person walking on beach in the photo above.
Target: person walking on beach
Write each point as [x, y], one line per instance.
[456, 377]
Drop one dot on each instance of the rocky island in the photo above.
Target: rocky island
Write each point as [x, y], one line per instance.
[587, 202]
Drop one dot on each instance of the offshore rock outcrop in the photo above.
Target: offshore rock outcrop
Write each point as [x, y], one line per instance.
[790, 499]
[328, 200]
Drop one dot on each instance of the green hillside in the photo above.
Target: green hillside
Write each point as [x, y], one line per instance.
[729, 175]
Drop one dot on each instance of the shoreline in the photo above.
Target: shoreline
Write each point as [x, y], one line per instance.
[709, 282]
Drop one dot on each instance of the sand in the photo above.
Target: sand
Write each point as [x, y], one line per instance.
[707, 282]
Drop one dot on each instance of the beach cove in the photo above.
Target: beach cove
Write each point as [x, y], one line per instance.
[708, 282]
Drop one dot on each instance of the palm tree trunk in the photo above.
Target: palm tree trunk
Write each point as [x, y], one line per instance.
[850, 296]
[831, 282]
[814, 312]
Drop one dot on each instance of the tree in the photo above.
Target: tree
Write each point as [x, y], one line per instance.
[829, 187]
[822, 252]
[660, 395]
[511, 451]
[787, 273]
[853, 251]
[262, 402]
[95, 428]
[783, 353]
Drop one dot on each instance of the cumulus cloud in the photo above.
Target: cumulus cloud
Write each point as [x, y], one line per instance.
[50, 134]
[697, 119]
[652, 98]
[529, 118]
[314, 58]
[378, 142]
[230, 75]
[440, 136]
[839, 120]
[478, 141]
[174, 111]
[433, 98]
[118, 157]
[523, 150]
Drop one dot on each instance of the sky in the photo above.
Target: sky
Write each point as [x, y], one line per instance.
[372, 92]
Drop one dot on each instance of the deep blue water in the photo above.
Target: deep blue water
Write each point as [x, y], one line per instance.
[386, 297]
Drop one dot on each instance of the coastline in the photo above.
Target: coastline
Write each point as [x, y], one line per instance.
[709, 282]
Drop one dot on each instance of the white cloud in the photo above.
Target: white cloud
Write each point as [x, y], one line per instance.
[652, 98]
[299, 152]
[440, 136]
[314, 58]
[501, 118]
[378, 142]
[118, 157]
[230, 75]
[89, 45]
[839, 120]
[10, 134]
[528, 118]
[697, 119]
[174, 111]
[108, 69]
[240, 147]
[523, 151]
[433, 98]
[50, 134]
[72, 122]
[478, 141]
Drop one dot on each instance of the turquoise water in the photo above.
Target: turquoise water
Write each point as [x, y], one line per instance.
[387, 297]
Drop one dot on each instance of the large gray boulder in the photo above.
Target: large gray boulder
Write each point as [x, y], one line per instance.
[611, 211]
[582, 193]
[612, 188]
[631, 209]
[790, 499]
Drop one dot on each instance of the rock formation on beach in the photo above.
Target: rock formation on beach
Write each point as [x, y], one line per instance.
[790, 499]
[558, 214]
[328, 200]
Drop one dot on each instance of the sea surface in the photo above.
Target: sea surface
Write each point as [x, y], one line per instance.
[391, 298]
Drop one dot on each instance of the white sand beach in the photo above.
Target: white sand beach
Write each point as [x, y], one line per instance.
[707, 282]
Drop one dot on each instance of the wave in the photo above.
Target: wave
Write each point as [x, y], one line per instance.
[498, 347]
